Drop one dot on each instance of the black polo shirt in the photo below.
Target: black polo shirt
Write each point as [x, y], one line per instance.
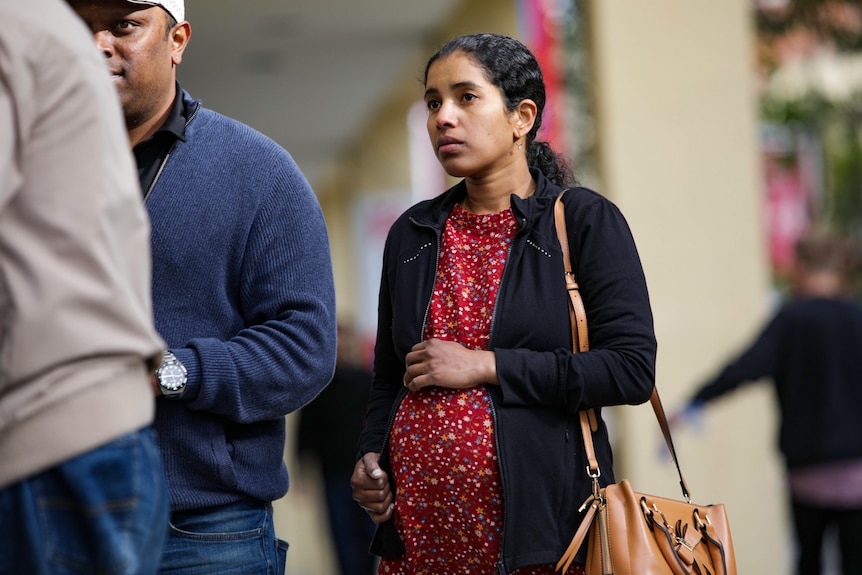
[150, 153]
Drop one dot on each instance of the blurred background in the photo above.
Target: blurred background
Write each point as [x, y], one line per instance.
[723, 130]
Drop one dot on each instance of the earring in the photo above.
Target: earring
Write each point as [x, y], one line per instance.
[520, 146]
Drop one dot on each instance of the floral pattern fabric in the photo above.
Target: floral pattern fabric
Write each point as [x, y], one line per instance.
[448, 504]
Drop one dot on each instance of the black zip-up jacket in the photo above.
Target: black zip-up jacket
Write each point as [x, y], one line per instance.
[542, 383]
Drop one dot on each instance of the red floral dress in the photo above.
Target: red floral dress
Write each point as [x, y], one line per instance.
[448, 505]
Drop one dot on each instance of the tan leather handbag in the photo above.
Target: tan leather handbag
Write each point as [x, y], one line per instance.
[632, 533]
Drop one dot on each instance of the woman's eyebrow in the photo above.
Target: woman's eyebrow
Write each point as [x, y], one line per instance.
[456, 86]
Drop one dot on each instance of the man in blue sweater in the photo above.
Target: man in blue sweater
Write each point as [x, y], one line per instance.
[242, 293]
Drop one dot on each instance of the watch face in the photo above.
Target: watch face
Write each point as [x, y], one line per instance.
[172, 376]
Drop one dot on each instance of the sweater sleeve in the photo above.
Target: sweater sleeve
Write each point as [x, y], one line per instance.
[285, 355]
[619, 368]
[755, 362]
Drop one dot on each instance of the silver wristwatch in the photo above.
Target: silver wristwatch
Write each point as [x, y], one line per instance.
[172, 376]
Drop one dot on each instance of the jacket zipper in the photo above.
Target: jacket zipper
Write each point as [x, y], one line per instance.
[437, 233]
[496, 303]
[501, 568]
[399, 397]
[168, 155]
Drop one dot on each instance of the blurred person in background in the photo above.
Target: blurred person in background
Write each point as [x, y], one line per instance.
[328, 435]
[243, 294]
[471, 455]
[82, 488]
[811, 351]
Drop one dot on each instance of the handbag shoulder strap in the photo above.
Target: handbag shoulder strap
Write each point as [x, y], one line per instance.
[580, 334]
[580, 342]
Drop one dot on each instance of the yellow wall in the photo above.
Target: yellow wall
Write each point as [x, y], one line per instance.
[677, 129]
[678, 153]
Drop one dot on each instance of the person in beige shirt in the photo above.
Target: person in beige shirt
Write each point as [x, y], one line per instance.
[82, 488]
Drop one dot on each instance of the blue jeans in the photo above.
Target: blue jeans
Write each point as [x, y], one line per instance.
[235, 539]
[104, 512]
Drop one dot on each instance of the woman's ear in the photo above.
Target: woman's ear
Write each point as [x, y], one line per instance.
[525, 117]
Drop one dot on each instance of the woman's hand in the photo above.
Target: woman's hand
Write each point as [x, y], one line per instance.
[371, 488]
[448, 364]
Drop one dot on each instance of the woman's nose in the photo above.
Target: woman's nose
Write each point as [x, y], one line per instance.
[445, 115]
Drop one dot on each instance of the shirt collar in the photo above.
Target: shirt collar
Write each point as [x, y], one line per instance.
[176, 121]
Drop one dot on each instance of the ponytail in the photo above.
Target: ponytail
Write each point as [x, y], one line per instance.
[556, 168]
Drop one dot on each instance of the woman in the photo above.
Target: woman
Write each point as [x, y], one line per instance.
[472, 459]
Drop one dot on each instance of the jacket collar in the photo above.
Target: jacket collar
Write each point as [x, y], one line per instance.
[435, 211]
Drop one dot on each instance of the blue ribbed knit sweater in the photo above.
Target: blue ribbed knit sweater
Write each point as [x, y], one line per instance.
[243, 294]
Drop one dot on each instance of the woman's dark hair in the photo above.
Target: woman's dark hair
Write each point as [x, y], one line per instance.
[510, 66]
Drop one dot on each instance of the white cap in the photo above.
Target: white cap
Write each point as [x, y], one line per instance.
[175, 8]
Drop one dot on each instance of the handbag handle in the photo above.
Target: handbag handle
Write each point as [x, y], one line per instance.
[580, 342]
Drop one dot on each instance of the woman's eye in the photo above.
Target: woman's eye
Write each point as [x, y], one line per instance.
[432, 104]
[469, 97]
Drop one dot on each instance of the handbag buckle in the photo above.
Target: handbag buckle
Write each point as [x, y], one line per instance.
[650, 513]
[701, 525]
[597, 489]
